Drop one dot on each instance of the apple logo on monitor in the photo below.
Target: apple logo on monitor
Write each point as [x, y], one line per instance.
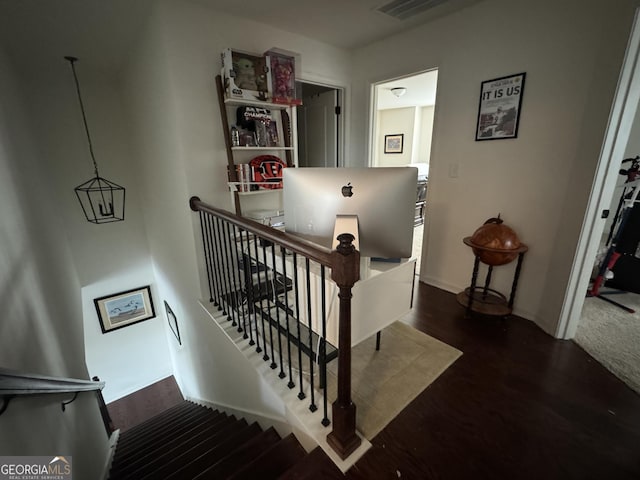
[347, 190]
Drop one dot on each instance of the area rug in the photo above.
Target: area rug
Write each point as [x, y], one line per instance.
[384, 382]
[612, 336]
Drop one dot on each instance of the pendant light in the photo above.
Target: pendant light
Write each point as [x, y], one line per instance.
[102, 201]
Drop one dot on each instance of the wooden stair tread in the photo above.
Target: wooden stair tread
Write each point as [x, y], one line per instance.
[274, 461]
[241, 455]
[214, 455]
[159, 467]
[172, 446]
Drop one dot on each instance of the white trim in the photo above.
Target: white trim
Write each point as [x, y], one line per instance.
[621, 119]
[113, 441]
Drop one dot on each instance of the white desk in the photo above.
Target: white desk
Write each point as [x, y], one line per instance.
[381, 296]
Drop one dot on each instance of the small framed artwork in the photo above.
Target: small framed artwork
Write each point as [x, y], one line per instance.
[499, 109]
[173, 322]
[125, 308]
[393, 143]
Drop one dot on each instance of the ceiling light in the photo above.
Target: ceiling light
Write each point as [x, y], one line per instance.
[398, 91]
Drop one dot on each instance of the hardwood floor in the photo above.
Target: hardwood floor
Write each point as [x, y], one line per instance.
[518, 404]
[139, 406]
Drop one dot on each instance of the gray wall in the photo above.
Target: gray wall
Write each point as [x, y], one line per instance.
[540, 182]
[41, 329]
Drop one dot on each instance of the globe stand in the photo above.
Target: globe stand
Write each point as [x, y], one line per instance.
[485, 300]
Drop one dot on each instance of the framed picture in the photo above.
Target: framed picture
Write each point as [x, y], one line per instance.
[499, 110]
[173, 321]
[393, 143]
[125, 308]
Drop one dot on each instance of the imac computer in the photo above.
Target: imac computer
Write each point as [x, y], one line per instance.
[382, 198]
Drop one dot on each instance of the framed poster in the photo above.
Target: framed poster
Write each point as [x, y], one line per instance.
[125, 308]
[173, 322]
[393, 143]
[499, 110]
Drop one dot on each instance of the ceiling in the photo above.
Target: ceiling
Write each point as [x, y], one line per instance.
[37, 31]
[421, 91]
[343, 23]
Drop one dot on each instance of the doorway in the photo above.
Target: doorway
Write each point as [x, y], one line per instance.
[608, 346]
[402, 129]
[319, 121]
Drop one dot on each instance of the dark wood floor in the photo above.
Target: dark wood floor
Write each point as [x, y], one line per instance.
[139, 406]
[518, 404]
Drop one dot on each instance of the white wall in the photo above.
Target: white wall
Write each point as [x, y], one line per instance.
[41, 329]
[538, 182]
[108, 258]
[180, 147]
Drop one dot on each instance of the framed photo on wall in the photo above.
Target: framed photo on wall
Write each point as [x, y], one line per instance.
[499, 109]
[125, 308]
[393, 143]
[173, 322]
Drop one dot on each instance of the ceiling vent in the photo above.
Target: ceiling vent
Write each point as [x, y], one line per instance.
[403, 9]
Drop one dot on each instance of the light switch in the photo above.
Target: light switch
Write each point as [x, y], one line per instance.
[453, 170]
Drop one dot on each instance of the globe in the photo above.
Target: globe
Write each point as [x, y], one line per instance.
[495, 243]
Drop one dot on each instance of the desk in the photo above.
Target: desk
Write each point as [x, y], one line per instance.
[382, 296]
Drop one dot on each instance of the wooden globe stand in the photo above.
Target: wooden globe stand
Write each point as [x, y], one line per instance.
[483, 299]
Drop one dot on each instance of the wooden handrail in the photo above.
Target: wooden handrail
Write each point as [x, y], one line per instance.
[315, 252]
[344, 263]
[14, 384]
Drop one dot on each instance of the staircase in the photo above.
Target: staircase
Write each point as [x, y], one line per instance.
[190, 441]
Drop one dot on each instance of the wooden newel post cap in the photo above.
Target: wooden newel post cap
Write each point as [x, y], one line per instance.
[345, 265]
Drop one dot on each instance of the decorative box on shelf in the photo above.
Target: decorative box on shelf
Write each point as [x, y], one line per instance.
[282, 72]
[246, 75]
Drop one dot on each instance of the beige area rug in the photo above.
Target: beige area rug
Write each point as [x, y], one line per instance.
[384, 382]
[612, 335]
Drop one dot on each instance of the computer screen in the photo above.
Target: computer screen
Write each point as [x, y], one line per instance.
[383, 199]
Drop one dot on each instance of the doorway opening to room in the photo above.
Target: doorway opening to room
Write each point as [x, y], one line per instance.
[320, 125]
[402, 129]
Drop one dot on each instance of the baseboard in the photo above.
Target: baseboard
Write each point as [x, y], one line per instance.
[113, 441]
[455, 289]
[265, 421]
[303, 423]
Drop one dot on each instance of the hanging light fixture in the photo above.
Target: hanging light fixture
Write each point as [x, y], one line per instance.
[102, 201]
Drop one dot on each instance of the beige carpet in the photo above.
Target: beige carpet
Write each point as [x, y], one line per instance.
[612, 335]
[386, 381]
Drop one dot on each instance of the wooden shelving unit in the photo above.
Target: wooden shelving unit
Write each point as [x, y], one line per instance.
[237, 155]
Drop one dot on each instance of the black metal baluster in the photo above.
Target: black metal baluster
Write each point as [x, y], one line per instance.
[255, 250]
[312, 405]
[301, 394]
[246, 271]
[207, 254]
[275, 303]
[287, 316]
[227, 274]
[322, 354]
[215, 261]
[268, 312]
[220, 265]
[237, 292]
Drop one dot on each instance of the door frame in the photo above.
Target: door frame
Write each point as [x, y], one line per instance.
[340, 133]
[623, 112]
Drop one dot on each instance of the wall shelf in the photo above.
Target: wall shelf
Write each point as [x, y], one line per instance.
[284, 117]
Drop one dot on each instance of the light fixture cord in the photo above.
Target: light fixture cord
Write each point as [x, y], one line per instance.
[72, 60]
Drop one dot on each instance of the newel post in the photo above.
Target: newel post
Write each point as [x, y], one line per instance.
[345, 271]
